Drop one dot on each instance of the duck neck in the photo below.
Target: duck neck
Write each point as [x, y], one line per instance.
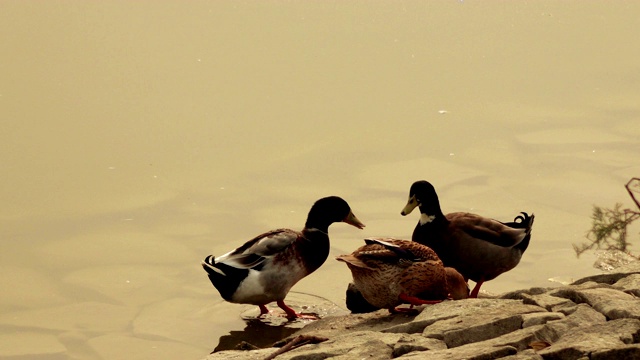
[431, 215]
[315, 248]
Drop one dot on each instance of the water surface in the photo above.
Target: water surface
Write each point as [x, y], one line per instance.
[140, 137]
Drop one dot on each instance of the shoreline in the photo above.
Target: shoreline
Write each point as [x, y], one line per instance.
[596, 316]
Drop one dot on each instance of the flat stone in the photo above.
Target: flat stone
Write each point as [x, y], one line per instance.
[467, 352]
[357, 345]
[524, 355]
[628, 352]
[518, 294]
[451, 309]
[581, 341]
[519, 339]
[413, 342]
[482, 323]
[540, 318]
[614, 304]
[545, 300]
[583, 316]
[630, 284]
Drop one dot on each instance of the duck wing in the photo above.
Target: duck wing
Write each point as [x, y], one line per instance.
[488, 230]
[257, 250]
[402, 249]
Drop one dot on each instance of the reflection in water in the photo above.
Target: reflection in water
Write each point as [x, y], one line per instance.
[258, 332]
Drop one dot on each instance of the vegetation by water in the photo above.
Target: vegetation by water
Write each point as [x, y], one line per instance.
[610, 225]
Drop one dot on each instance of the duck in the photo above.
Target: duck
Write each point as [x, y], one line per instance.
[478, 247]
[389, 272]
[265, 268]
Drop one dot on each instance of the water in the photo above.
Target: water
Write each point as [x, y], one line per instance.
[140, 137]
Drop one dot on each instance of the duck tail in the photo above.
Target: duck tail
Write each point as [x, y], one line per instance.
[209, 265]
[524, 221]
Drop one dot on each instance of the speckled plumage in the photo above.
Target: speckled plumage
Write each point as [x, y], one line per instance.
[388, 271]
[479, 248]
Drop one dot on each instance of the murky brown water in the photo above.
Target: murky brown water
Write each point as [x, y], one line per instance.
[139, 137]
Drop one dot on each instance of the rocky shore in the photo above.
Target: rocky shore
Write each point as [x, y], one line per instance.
[596, 318]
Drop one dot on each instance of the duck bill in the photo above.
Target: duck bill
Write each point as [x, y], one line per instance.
[411, 204]
[353, 220]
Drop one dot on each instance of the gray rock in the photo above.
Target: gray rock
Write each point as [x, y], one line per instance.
[467, 352]
[568, 322]
[412, 342]
[518, 294]
[582, 341]
[540, 318]
[545, 301]
[490, 319]
[628, 352]
[614, 304]
[630, 284]
[524, 355]
[582, 316]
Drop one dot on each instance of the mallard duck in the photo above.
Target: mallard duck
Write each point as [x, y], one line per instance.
[456, 284]
[389, 272]
[265, 268]
[478, 247]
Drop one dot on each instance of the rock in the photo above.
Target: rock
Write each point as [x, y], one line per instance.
[629, 352]
[545, 300]
[582, 316]
[585, 340]
[524, 355]
[467, 352]
[630, 284]
[412, 342]
[596, 318]
[480, 322]
[540, 318]
[614, 304]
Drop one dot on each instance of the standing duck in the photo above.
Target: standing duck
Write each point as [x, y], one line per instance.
[389, 272]
[265, 268]
[479, 248]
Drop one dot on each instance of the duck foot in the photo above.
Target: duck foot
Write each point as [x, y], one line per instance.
[263, 310]
[296, 342]
[292, 314]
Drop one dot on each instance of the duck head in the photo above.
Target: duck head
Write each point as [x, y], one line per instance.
[331, 209]
[423, 195]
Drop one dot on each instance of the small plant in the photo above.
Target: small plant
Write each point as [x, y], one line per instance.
[609, 229]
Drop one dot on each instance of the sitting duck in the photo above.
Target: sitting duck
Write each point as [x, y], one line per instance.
[265, 268]
[478, 247]
[389, 272]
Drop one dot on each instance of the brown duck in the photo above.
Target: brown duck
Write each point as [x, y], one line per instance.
[478, 247]
[390, 272]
